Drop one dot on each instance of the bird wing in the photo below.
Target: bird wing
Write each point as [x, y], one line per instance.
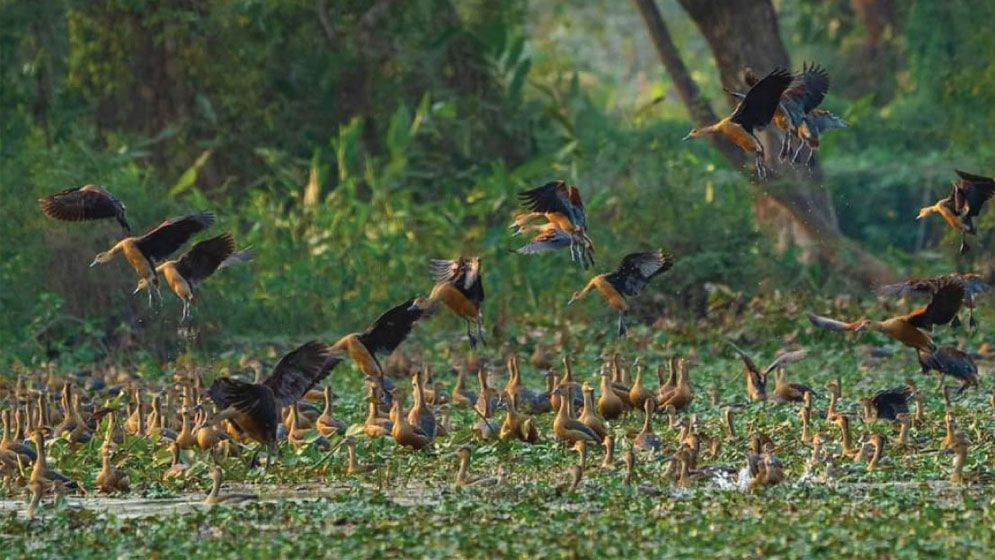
[972, 178]
[975, 192]
[205, 257]
[637, 269]
[299, 370]
[829, 323]
[577, 205]
[785, 359]
[554, 196]
[757, 108]
[390, 329]
[238, 257]
[547, 240]
[89, 202]
[747, 360]
[464, 273]
[816, 80]
[952, 361]
[820, 120]
[248, 398]
[164, 239]
[947, 299]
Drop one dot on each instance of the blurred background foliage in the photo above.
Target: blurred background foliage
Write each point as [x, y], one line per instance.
[349, 141]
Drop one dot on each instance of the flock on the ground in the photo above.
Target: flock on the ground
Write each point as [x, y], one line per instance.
[234, 414]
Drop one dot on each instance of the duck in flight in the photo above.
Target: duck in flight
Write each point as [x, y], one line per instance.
[89, 202]
[632, 275]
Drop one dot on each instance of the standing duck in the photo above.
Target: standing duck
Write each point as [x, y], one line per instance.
[89, 202]
[253, 409]
[752, 114]
[561, 205]
[145, 252]
[327, 424]
[201, 261]
[570, 430]
[458, 286]
[632, 275]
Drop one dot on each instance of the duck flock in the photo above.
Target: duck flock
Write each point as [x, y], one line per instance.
[245, 417]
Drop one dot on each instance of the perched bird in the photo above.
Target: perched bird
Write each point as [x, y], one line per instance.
[963, 205]
[888, 404]
[753, 113]
[632, 275]
[145, 252]
[201, 261]
[786, 391]
[974, 285]
[112, 479]
[561, 205]
[89, 202]
[950, 361]
[910, 329]
[458, 286]
[254, 408]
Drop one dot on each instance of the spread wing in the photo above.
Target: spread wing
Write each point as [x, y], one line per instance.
[89, 202]
[637, 269]
[547, 240]
[816, 81]
[298, 371]
[785, 359]
[829, 323]
[972, 178]
[206, 257]
[250, 399]
[551, 197]
[164, 239]
[464, 273]
[391, 328]
[747, 360]
[757, 108]
[946, 302]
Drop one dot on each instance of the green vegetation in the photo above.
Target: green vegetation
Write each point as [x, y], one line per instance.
[350, 141]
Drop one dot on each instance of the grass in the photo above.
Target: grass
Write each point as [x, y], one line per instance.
[409, 506]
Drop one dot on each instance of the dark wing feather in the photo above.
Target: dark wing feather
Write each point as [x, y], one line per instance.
[547, 240]
[747, 360]
[551, 197]
[164, 239]
[942, 309]
[950, 361]
[972, 178]
[89, 202]
[975, 194]
[757, 109]
[891, 402]
[816, 80]
[463, 272]
[254, 401]
[206, 257]
[298, 371]
[390, 329]
[637, 269]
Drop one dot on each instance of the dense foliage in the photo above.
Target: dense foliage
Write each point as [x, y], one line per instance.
[350, 141]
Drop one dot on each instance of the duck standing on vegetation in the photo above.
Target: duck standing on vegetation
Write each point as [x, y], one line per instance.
[561, 205]
[89, 202]
[632, 275]
[752, 114]
[201, 261]
[963, 205]
[253, 409]
[459, 286]
[145, 252]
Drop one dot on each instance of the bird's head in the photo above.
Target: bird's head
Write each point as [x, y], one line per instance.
[694, 133]
[143, 284]
[101, 258]
[926, 211]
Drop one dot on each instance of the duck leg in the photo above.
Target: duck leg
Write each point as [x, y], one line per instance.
[185, 316]
[785, 146]
[480, 328]
[964, 247]
[469, 335]
[621, 324]
[761, 168]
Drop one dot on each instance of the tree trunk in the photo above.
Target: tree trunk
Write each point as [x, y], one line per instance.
[745, 34]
